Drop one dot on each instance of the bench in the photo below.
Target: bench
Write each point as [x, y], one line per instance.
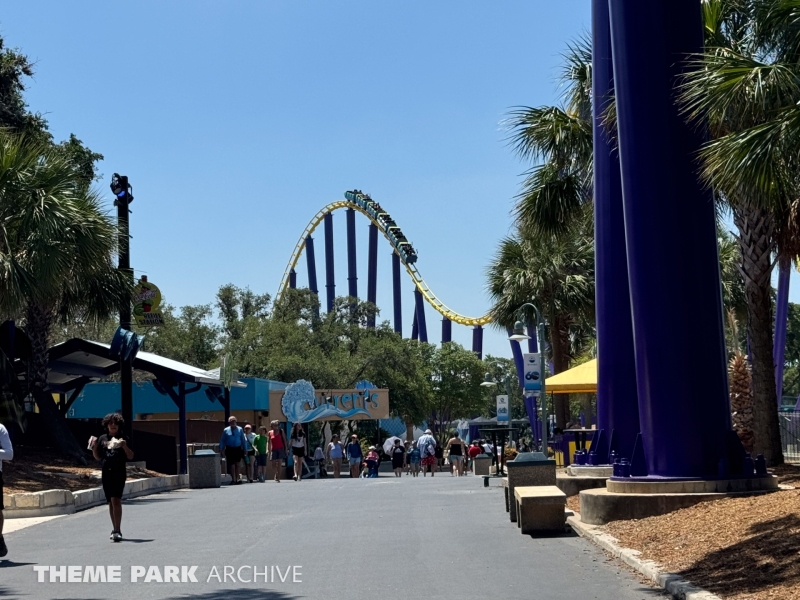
[540, 508]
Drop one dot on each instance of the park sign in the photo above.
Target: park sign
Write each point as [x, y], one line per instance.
[502, 409]
[533, 371]
[146, 302]
[301, 403]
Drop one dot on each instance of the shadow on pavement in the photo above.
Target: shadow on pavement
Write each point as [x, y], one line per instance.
[152, 499]
[135, 541]
[5, 564]
[240, 594]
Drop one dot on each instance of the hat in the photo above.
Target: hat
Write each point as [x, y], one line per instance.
[372, 447]
[429, 432]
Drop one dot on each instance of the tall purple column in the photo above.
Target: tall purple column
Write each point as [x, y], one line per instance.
[311, 265]
[477, 341]
[670, 233]
[352, 266]
[372, 269]
[617, 401]
[396, 294]
[781, 322]
[533, 345]
[330, 279]
[292, 280]
[415, 326]
[419, 303]
[447, 330]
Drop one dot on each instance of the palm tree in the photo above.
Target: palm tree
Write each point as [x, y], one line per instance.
[746, 90]
[56, 251]
[557, 273]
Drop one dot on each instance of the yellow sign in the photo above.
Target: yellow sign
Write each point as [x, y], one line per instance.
[146, 302]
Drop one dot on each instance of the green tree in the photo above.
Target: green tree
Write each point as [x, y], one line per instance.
[190, 336]
[56, 257]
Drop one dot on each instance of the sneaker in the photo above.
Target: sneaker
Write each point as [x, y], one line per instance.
[117, 536]
[111, 537]
[3, 547]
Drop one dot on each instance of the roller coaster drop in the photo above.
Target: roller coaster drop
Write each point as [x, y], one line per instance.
[403, 252]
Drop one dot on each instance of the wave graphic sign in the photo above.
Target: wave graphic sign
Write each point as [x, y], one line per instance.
[301, 403]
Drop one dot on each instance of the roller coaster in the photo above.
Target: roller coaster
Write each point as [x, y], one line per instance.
[403, 254]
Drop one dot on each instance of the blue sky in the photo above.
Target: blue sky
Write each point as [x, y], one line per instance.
[237, 121]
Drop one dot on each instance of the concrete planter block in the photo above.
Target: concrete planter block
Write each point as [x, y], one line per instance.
[8, 501]
[53, 498]
[27, 500]
[528, 469]
[204, 471]
[481, 465]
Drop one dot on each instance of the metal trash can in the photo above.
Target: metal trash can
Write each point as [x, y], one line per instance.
[204, 470]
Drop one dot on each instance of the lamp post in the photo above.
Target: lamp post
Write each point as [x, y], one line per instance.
[489, 382]
[519, 335]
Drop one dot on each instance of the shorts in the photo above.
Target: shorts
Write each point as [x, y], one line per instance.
[299, 452]
[455, 458]
[113, 484]
[428, 460]
[355, 461]
[233, 455]
[261, 460]
[278, 454]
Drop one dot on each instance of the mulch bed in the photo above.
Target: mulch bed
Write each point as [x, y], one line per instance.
[738, 548]
[39, 469]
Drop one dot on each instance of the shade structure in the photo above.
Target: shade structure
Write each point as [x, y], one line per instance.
[577, 380]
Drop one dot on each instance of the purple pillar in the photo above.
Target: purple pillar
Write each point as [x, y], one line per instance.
[419, 303]
[372, 269]
[781, 321]
[516, 352]
[477, 341]
[396, 290]
[330, 280]
[352, 267]
[533, 346]
[447, 330]
[670, 227]
[414, 326]
[311, 265]
[292, 279]
[617, 401]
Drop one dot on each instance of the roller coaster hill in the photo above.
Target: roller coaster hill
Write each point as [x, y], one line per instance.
[403, 255]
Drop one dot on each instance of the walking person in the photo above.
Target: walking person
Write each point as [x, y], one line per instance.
[398, 455]
[474, 451]
[457, 450]
[414, 459]
[232, 445]
[260, 446]
[249, 451]
[6, 453]
[277, 448]
[427, 448]
[112, 450]
[334, 453]
[299, 449]
[354, 456]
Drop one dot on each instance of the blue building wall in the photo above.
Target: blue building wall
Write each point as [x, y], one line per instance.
[98, 399]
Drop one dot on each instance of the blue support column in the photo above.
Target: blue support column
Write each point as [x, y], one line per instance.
[372, 269]
[447, 330]
[414, 326]
[312, 268]
[292, 280]
[330, 279]
[477, 341]
[617, 400]
[669, 220]
[781, 323]
[398, 300]
[533, 345]
[352, 270]
[184, 466]
[516, 352]
[419, 303]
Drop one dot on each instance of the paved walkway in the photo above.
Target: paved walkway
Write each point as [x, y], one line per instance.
[351, 539]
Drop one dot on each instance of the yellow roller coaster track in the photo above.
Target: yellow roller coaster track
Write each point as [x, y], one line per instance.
[412, 270]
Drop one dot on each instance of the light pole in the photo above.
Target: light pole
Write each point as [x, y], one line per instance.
[506, 381]
[519, 335]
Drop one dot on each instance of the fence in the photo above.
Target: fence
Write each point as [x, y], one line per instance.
[790, 435]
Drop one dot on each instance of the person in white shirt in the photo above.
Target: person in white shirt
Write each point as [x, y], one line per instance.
[6, 453]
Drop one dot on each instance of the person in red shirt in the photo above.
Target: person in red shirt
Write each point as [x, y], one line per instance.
[276, 447]
[474, 450]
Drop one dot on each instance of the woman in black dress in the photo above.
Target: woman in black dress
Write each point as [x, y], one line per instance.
[398, 458]
[113, 452]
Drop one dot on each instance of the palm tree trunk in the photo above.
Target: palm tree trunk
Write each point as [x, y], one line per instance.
[38, 323]
[560, 363]
[755, 239]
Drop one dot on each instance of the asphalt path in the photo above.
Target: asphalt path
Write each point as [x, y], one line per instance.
[441, 537]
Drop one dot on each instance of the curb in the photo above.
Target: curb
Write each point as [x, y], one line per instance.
[64, 502]
[671, 582]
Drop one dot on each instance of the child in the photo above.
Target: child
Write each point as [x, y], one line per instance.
[373, 460]
[319, 459]
[414, 457]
